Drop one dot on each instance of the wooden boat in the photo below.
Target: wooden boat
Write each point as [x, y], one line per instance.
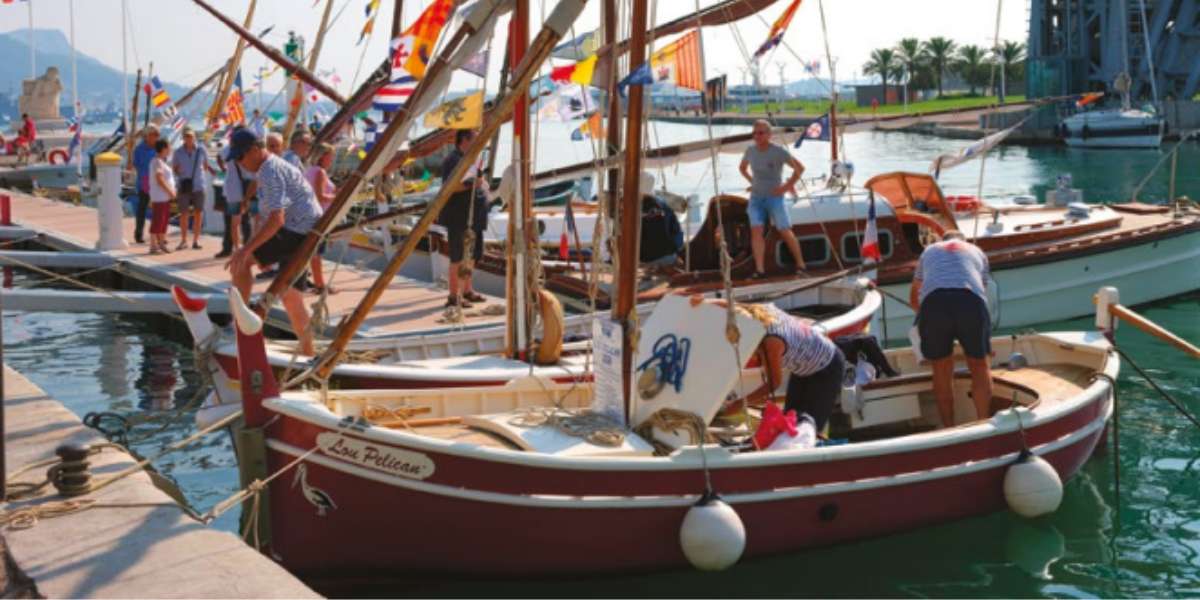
[488, 496]
[472, 358]
[1045, 260]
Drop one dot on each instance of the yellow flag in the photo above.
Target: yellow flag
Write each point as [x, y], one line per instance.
[461, 113]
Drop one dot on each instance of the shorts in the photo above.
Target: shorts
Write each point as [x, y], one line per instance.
[947, 315]
[762, 207]
[818, 393]
[279, 249]
[454, 237]
[190, 201]
[160, 213]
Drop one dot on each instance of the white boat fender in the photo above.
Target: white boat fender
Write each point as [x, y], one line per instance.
[1032, 487]
[712, 535]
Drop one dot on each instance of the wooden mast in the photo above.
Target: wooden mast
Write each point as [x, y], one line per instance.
[131, 133]
[207, 80]
[629, 212]
[517, 310]
[275, 55]
[553, 29]
[297, 103]
[218, 105]
[613, 133]
[291, 269]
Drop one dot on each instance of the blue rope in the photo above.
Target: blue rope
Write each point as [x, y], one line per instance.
[671, 355]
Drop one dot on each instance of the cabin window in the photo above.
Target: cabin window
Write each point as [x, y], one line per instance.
[850, 241]
[814, 249]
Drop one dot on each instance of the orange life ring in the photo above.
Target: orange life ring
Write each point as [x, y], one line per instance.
[57, 157]
[962, 203]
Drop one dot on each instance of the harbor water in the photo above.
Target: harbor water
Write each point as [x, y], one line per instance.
[1145, 544]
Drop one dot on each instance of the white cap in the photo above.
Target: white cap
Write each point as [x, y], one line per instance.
[646, 184]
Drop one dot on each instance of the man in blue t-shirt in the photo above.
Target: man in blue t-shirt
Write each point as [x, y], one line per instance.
[143, 155]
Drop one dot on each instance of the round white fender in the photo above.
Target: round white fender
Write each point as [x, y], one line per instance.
[1032, 486]
[712, 535]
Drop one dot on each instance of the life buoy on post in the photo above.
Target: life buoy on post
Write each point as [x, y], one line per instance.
[57, 156]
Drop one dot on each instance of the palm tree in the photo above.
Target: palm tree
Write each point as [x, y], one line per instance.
[1010, 56]
[912, 56]
[883, 64]
[939, 50]
[971, 66]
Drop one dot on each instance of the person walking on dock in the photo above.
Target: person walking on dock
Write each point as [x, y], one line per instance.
[466, 209]
[762, 166]
[190, 163]
[161, 191]
[290, 210]
[949, 295]
[143, 154]
[318, 177]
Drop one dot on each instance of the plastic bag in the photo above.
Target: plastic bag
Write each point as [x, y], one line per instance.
[805, 436]
[780, 431]
[914, 337]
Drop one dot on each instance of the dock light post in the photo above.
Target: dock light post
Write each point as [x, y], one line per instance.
[110, 213]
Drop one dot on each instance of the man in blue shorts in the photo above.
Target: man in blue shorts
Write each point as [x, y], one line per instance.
[762, 166]
[949, 295]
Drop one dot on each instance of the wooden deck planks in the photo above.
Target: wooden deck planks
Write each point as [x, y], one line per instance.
[407, 306]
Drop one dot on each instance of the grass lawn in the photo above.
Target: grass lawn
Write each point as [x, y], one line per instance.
[848, 107]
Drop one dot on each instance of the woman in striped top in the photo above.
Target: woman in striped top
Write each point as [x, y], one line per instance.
[814, 364]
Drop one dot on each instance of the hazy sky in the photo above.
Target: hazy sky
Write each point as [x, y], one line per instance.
[186, 44]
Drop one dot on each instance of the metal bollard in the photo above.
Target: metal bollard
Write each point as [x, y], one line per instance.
[110, 212]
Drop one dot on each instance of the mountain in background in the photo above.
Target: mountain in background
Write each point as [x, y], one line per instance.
[99, 84]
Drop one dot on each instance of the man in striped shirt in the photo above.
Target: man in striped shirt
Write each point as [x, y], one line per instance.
[290, 209]
[949, 295]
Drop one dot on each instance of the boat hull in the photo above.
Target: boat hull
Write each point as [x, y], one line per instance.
[504, 517]
[1045, 291]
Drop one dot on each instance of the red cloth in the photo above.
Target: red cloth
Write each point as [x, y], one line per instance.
[160, 213]
[774, 422]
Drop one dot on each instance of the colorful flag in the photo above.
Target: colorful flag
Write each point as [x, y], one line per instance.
[1087, 99]
[158, 94]
[411, 53]
[775, 36]
[577, 49]
[870, 245]
[677, 63]
[817, 130]
[580, 72]
[310, 92]
[235, 106]
[465, 112]
[76, 134]
[590, 128]
[370, 132]
[372, 12]
[477, 64]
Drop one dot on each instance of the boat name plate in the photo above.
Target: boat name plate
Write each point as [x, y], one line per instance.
[386, 459]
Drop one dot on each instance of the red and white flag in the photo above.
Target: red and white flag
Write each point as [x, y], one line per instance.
[870, 245]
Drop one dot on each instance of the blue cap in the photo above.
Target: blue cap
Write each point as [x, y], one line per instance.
[242, 141]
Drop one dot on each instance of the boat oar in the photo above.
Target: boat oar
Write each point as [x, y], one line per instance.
[1154, 329]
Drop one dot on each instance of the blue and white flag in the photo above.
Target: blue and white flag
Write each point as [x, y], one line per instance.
[817, 130]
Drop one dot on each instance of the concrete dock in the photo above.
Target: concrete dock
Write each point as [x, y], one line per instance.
[135, 542]
[407, 307]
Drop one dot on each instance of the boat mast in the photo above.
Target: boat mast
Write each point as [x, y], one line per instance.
[218, 105]
[203, 84]
[293, 267]
[557, 24]
[275, 55]
[629, 213]
[75, 108]
[298, 99]
[613, 133]
[125, 69]
[833, 138]
[129, 127]
[32, 59]
[519, 209]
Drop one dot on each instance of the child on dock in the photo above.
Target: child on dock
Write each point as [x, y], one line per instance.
[162, 191]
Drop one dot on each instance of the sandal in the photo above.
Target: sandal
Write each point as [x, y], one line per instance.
[196, 245]
[758, 275]
[471, 296]
[182, 245]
